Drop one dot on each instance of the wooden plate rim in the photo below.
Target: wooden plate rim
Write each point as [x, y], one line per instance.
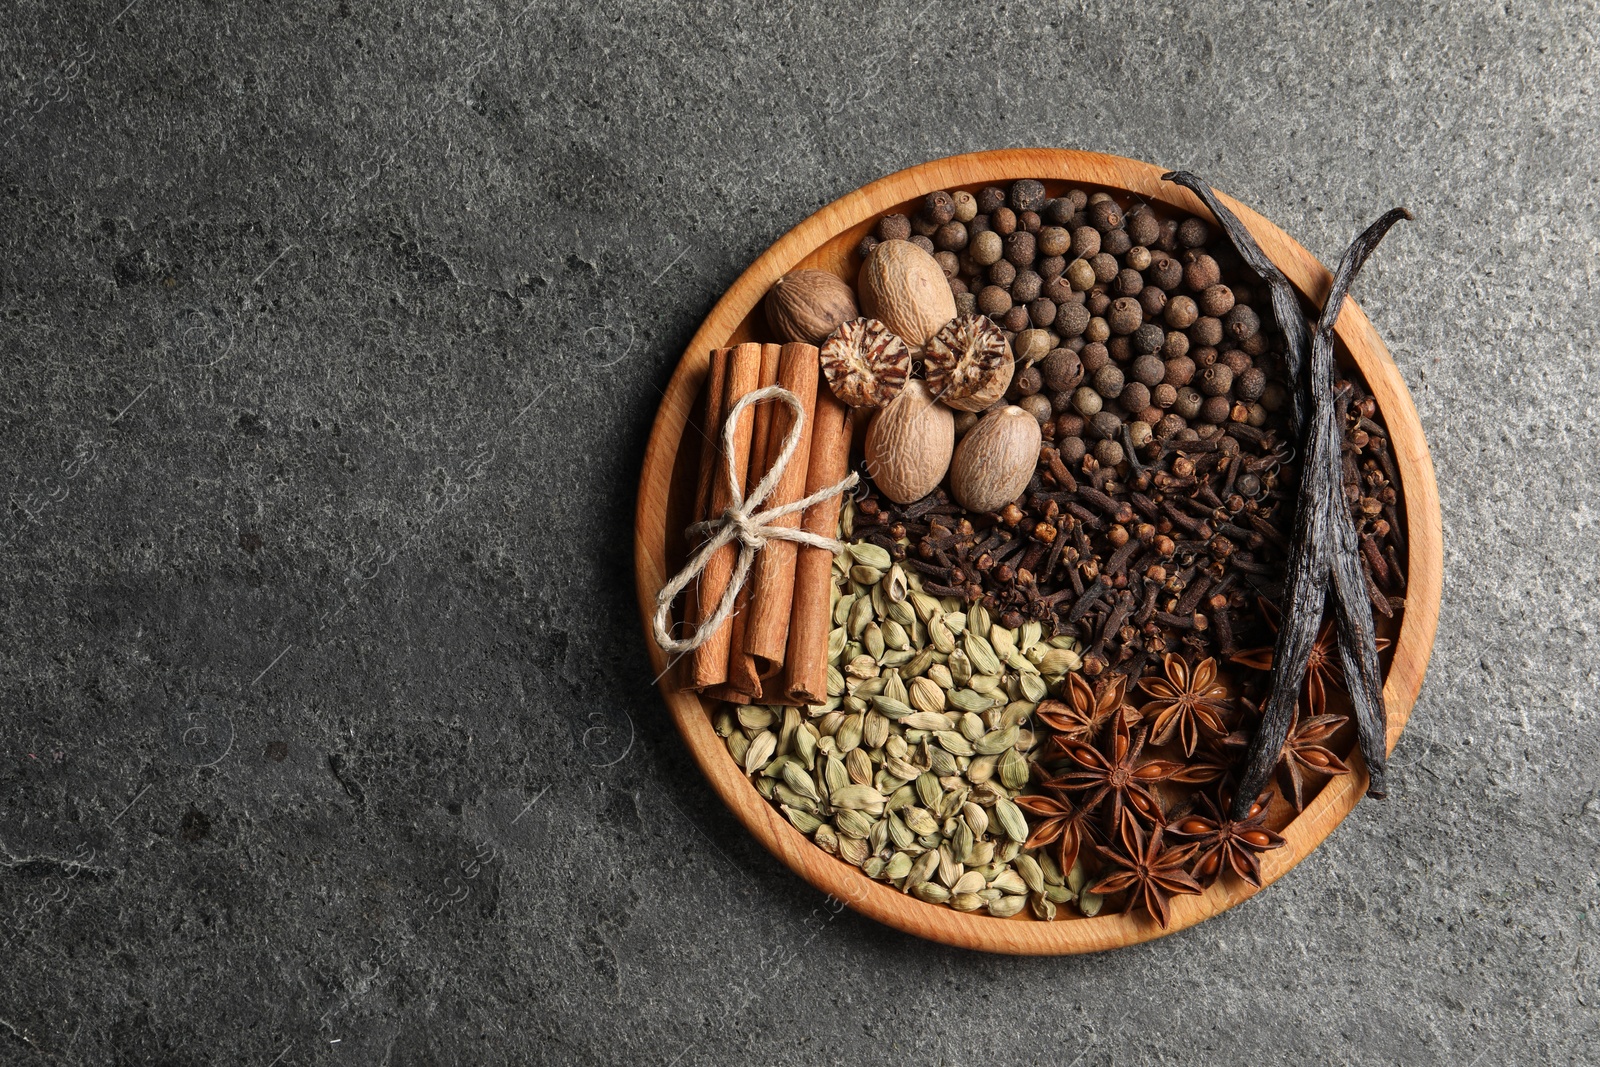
[882, 902]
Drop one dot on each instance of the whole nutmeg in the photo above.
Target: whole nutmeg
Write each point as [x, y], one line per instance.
[909, 444]
[808, 305]
[969, 363]
[994, 461]
[902, 286]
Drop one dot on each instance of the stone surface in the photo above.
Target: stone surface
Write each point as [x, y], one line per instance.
[331, 337]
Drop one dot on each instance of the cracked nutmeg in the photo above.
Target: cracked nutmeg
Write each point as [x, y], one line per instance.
[969, 363]
[866, 363]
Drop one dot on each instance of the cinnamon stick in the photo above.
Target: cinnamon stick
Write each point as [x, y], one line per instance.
[772, 587]
[744, 677]
[806, 679]
[708, 664]
[710, 452]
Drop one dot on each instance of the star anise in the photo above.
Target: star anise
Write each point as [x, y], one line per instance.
[1223, 843]
[1114, 781]
[1304, 752]
[1186, 702]
[1148, 872]
[1322, 669]
[1082, 716]
[1059, 822]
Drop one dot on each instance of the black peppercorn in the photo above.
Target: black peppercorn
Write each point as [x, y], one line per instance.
[1020, 248]
[1128, 282]
[1116, 242]
[1193, 233]
[1071, 318]
[894, 228]
[1004, 221]
[1015, 320]
[1216, 300]
[1250, 384]
[1108, 381]
[939, 207]
[990, 199]
[1043, 312]
[1027, 195]
[1201, 273]
[1242, 323]
[1206, 330]
[1181, 312]
[1002, 273]
[1025, 287]
[951, 237]
[1148, 338]
[994, 301]
[1104, 215]
[1125, 315]
[1143, 227]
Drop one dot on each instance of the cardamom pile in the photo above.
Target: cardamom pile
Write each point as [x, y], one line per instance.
[911, 767]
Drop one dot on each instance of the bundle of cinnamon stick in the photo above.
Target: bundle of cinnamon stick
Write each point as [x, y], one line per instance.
[773, 649]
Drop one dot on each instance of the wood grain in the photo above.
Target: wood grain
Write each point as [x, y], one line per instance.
[826, 241]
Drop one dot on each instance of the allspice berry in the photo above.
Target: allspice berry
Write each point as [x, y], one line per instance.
[1143, 227]
[1217, 300]
[1071, 319]
[1087, 402]
[1193, 233]
[1104, 215]
[1037, 406]
[1108, 381]
[1002, 273]
[1181, 312]
[1004, 221]
[1020, 248]
[1042, 312]
[1149, 370]
[1103, 425]
[1025, 287]
[1242, 323]
[1128, 282]
[938, 207]
[1027, 195]
[894, 228]
[1085, 242]
[1015, 320]
[1072, 449]
[1050, 267]
[986, 248]
[966, 206]
[1093, 356]
[1062, 370]
[1188, 402]
[1165, 272]
[1135, 396]
[1148, 338]
[1027, 381]
[1137, 258]
[1236, 360]
[1180, 371]
[1176, 344]
[1108, 452]
[1206, 331]
[1250, 385]
[1215, 410]
[1163, 395]
[1054, 241]
[1201, 273]
[993, 301]
[1153, 300]
[1125, 315]
[991, 198]
[1105, 267]
[951, 237]
[1080, 274]
[1116, 242]
[1216, 380]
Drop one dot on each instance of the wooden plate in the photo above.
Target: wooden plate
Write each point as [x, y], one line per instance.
[827, 241]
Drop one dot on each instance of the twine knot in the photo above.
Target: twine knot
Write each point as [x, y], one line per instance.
[742, 522]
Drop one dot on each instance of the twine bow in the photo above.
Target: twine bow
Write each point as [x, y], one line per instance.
[743, 523]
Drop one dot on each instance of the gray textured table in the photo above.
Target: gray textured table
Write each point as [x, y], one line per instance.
[332, 333]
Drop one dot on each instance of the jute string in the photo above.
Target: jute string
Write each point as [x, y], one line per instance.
[743, 523]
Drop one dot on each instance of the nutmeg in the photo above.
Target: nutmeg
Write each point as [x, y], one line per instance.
[904, 287]
[994, 461]
[909, 444]
[808, 305]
